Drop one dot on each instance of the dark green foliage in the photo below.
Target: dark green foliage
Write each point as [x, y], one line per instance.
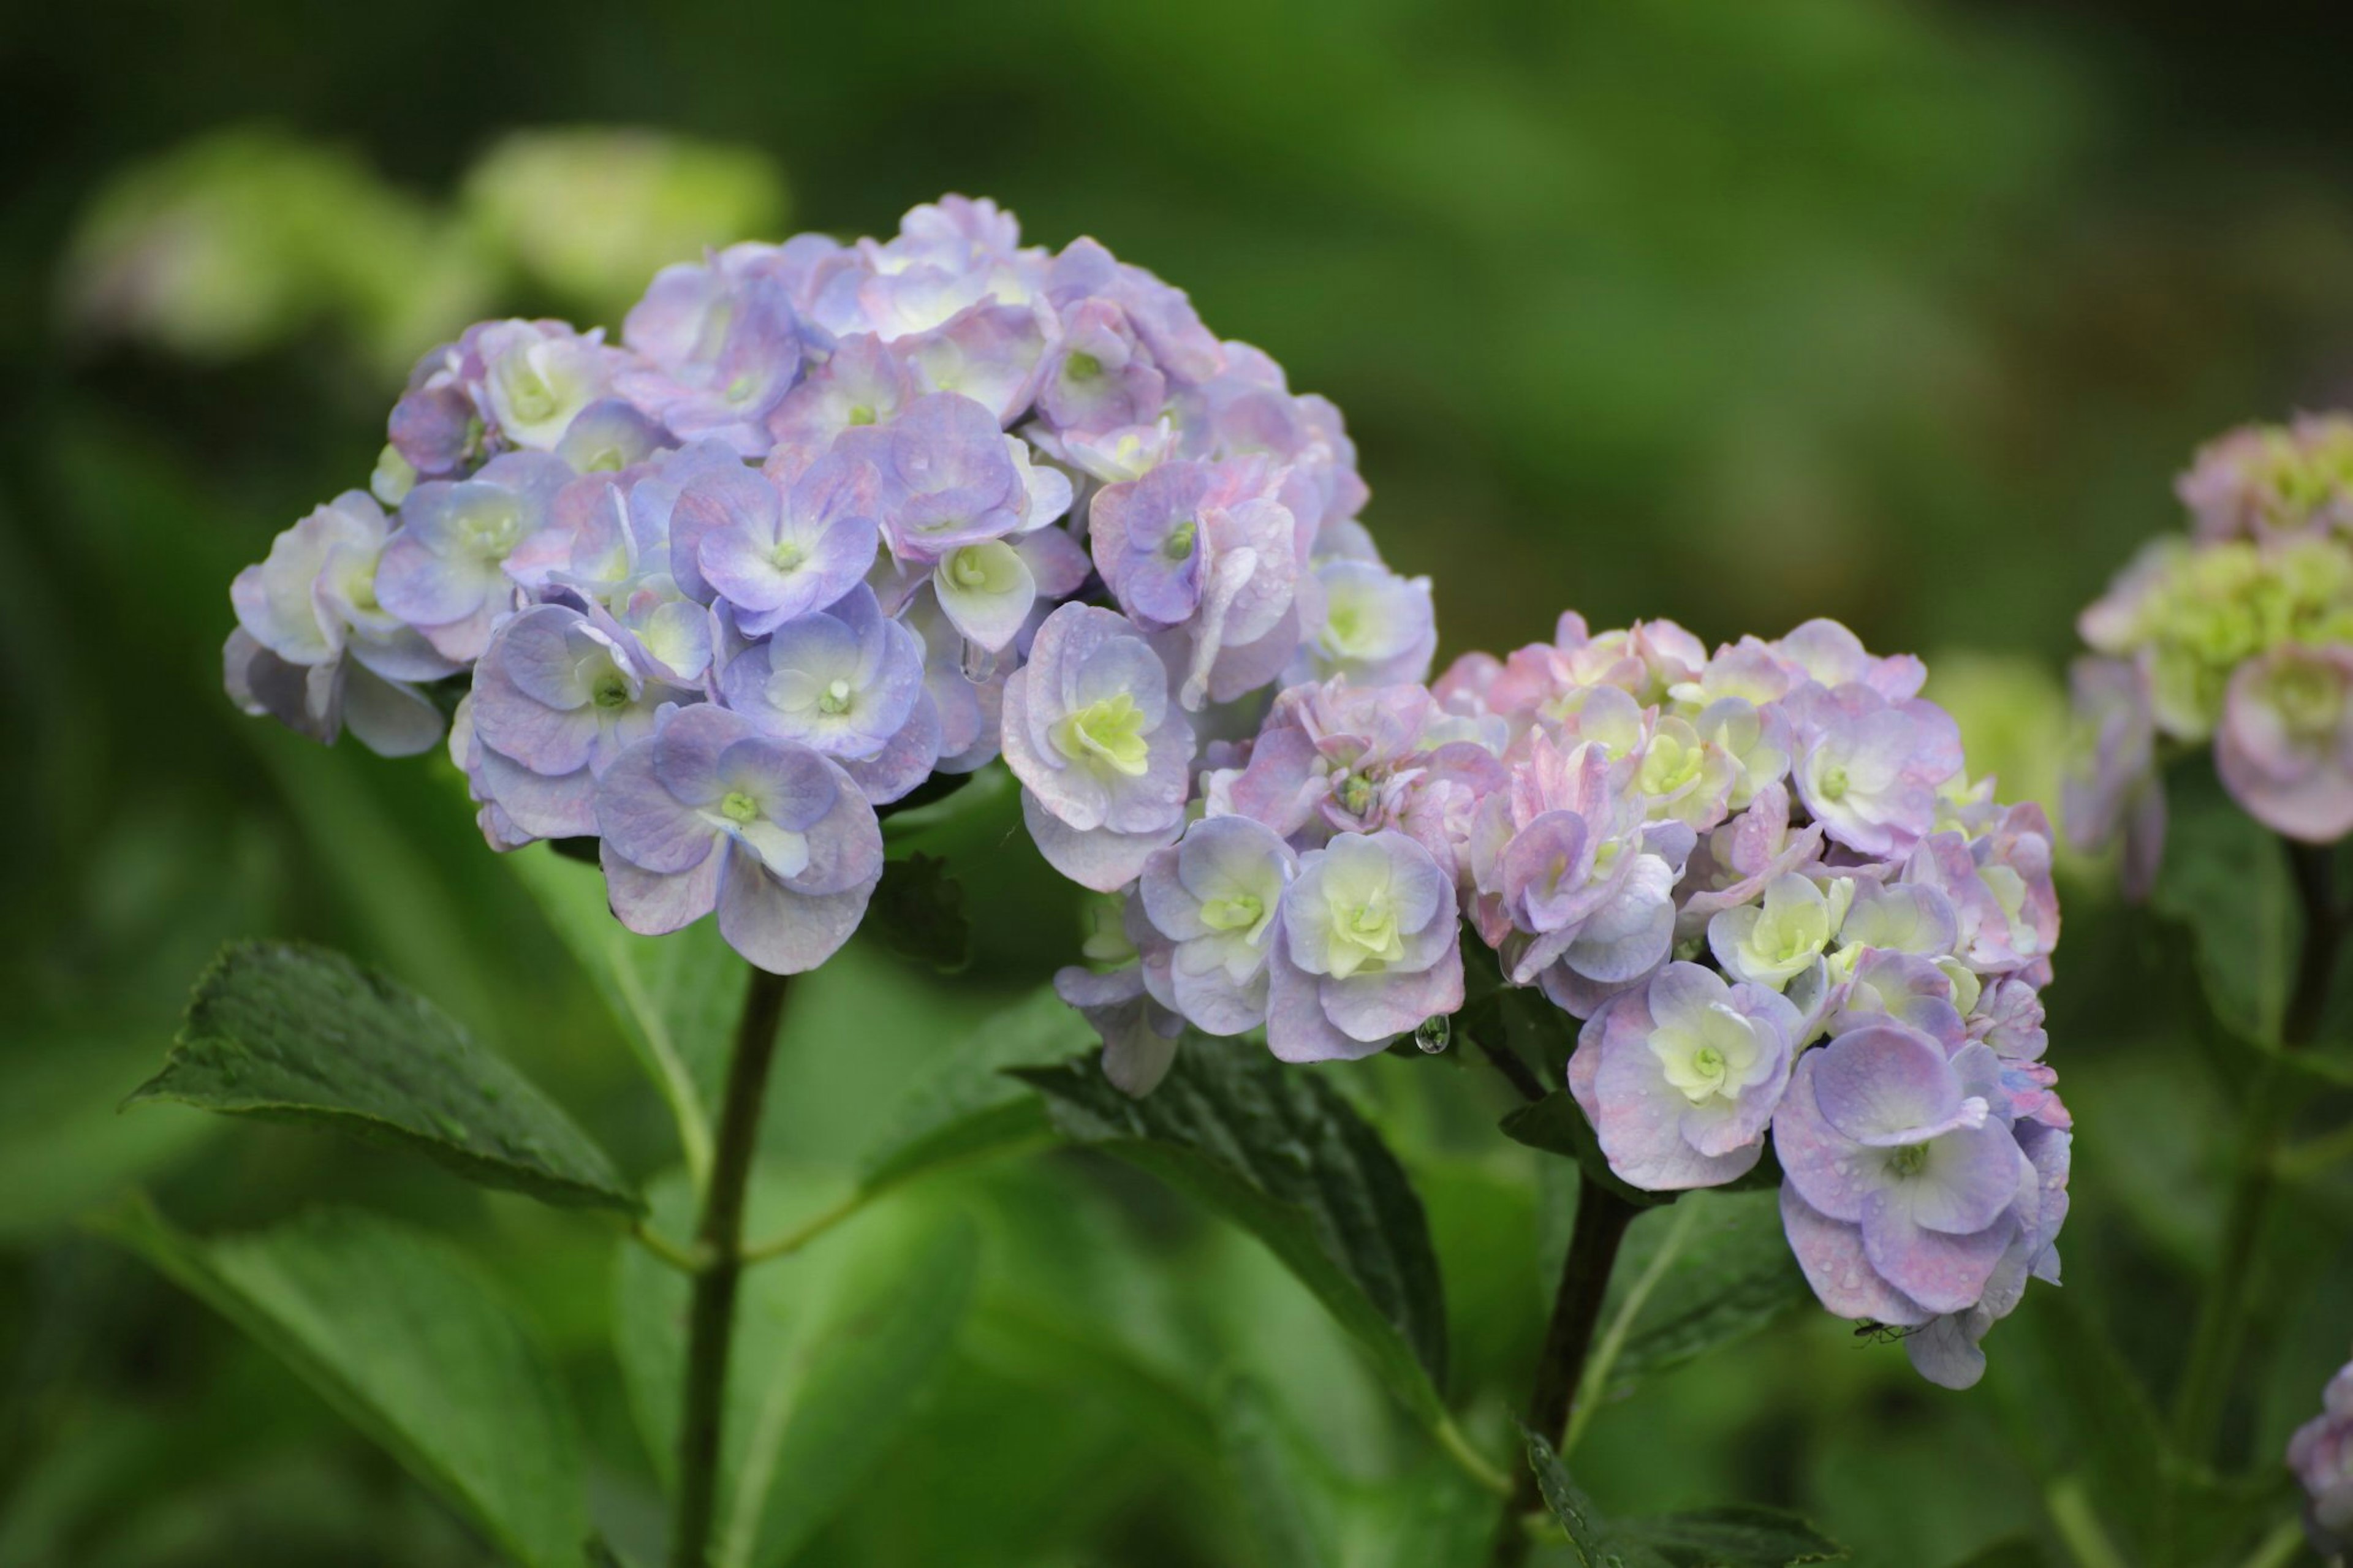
[285, 1033]
[1280, 1152]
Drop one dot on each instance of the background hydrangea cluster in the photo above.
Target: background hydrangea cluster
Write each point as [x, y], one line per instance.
[1715, 861]
[2240, 634]
[828, 520]
[2321, 1455]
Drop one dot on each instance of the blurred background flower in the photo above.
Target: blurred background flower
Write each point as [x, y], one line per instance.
[1904, 313]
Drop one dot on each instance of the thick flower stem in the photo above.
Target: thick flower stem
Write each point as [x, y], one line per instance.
[1602, 1217]
[719, 1241]
[2271, 1098]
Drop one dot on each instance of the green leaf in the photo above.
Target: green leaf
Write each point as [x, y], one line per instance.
[1589, 1542]
[1283, 1494]
[1731, 1275]
[675, 997]
[402, 1335]
[1734, 1536]
[1555, 1125]
[834, 1348]
[2225, 878]
[286, 1033]
[967, 1105]
[1276, 1150]
[917, 912]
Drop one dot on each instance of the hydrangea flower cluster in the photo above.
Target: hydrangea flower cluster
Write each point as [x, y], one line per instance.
[2240, 634]
[1761, 877]
[2321, 1455]
[828, 520]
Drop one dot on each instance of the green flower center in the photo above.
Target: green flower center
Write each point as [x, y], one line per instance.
[493, 531]
[1082, 367]
[611, 692]
[1240, 911]
[532, 397]
[738, 807]
[835, 698]
[1832, 783]
[860, 413]
[1908, 1160]
[1110, 731]
[1179, 543]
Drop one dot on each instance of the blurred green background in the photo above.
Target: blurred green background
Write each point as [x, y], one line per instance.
[1727, 312]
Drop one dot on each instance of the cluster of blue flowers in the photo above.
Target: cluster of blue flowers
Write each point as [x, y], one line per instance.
[1715, 861]
[829, 520]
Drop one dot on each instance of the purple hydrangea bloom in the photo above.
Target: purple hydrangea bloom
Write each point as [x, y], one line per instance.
[1367, 947]
[537, 376]
[1162, 319]
[308, 612]
[948, 480]
[1140, 1036]
[444, 569]
[990, 352]
[708, 813]
[556, 697]
[775, 549]
[857, 386]
[1103, 755]
[1681, 1077]
[1570, 870]
[1213, 897]
[1372, 626]
[1100, 377]
[1337, 758]
[846, 682]
[2285, 747]
[1906, 1184]
[1868, 765]
[2321, 1455]
[717, 347]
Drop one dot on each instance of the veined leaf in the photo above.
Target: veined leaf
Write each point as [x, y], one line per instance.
[1590, 1545]
[284, 1033]
[1735, 1536]
[1731, 1275]
[1277, 1150]
[400, 1334]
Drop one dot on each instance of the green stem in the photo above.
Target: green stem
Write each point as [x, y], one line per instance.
[1602, 1217]
[682, 1258]
[808, 1230]
[2224, 1313]
[1596, 1379]
[1469, 1459]
[718, 1245]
